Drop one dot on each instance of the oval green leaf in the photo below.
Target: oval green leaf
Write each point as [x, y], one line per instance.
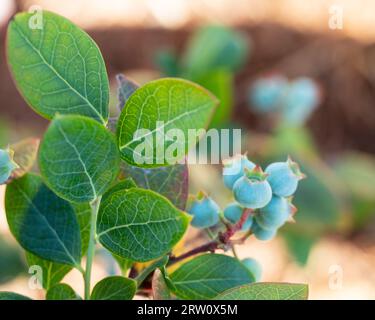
[42, 223]
[114, 288]
[266, 291]
[139, 224]
[52, 273]
[58, 68]
[205, 276]
[160, 106]
[78, 158]
[62, 291]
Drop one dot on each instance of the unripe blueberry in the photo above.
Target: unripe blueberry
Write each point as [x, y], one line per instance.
[301, 99]
[267, 92]
[205, 212]
[233, 213]
[254, 267]
[283, 177]
[234, 169]
[274, 214]
[7, 165]
[262, 234]
[252, 190]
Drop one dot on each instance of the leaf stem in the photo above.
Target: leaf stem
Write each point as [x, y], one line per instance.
[91, 249]
[223, 239]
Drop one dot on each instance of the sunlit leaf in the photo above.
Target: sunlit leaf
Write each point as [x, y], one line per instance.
[266, 291]
[205, 276]
[58, 68]
[160, 106]
[139, 224]
[114, 288]
[78, 158]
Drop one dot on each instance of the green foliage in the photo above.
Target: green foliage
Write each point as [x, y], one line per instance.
[114, 288]
[52, 273]
[357, 173]
[205, 276]
[80, 199]
[266, 291]
[139, 224]
[78, 158]
[214, 47]
[149, 269]
[58, 68]
[42, 223]
[4, 295]
[171, 181]
[160, 106]
[62, 291]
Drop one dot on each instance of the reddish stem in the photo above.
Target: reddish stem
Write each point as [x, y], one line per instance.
[223, 239]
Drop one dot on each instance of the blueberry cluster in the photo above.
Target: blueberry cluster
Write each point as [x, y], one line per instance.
[7, 165]
[295, 100]
[267, 194]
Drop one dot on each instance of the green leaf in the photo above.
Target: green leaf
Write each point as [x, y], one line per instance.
[205, 276]
[57, 68]
[25, 152]
[42, 223]
[158, 106]
[121, 185]
[139, 224]
[299, 245]
[114, 288]
[124, 264]
[214, 47]
[78, 158]
[5, 295]
[62, 291]
[53, 272]
[172, 182]
[83, 213]
[167, 61]
[315, 216]
[266, 291]
[126, 88]
[160, 289]
[146, 272]
[220, 83]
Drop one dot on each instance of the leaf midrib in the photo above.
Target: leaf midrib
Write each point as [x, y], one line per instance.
[170, 121]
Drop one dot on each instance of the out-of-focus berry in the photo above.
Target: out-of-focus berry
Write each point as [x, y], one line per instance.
[233, 213]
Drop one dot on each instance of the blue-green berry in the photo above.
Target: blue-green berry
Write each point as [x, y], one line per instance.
[262, 234]
[252, 190]
[283, 177]
[254, 267]
[301, 99]
[274, 214]
[233, 213]
[267, 93]
[205, 212]
[234, 169]
[7, 165]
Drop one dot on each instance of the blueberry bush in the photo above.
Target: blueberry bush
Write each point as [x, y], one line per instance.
[88, 191]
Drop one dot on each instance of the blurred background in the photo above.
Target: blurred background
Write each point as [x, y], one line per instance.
[297, 76]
